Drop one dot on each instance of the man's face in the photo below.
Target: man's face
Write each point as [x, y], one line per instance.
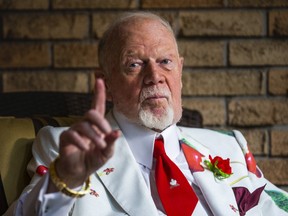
[145, 78]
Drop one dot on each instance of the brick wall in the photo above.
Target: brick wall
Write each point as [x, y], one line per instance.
[236, 59]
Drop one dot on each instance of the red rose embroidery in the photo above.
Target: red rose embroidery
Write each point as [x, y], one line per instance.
[220, 167]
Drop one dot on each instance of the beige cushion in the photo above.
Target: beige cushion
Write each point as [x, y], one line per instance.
[16, 138]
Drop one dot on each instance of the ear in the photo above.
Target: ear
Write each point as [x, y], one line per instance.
[101, 74]
[181, 62]
[108, 94]
[108, 90]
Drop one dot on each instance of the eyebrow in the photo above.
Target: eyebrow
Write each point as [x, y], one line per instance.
[136, 53]
[128, 53]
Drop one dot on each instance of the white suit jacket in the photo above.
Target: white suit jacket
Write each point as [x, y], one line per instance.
[118, 188]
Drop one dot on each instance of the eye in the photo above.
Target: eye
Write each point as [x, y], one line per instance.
[166, 61]
[134, 65]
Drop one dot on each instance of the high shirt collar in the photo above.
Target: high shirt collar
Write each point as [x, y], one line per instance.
[141, 139]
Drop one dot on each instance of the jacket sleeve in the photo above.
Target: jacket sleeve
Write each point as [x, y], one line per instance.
[34, 200]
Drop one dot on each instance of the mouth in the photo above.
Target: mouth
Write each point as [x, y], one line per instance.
[155, 97]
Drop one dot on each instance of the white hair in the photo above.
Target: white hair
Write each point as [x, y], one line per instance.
[149, 120]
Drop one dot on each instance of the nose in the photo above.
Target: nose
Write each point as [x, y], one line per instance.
[153, 74]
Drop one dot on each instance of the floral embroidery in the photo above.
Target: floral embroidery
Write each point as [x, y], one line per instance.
[94, 193]
[245, 199]
[106, 171]
[233, 208]
[193, 157]
[221, 168]
[251, 164]
[281, 199]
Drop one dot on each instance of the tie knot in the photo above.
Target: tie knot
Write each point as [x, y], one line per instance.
[158, 147]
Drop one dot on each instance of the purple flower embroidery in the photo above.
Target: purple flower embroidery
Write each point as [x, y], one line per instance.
[233, 208]
[245, 199]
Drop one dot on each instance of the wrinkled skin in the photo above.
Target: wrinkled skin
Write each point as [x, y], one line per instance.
[145, 60]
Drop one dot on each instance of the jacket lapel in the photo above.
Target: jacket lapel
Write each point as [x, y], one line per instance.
[217, 193]
[125, 181]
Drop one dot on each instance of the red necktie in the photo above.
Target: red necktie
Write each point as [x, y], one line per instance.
[176, 194]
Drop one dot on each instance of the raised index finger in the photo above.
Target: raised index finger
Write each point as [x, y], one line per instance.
[99, 99]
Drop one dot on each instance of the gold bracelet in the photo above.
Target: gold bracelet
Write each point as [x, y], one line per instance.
[63, 187]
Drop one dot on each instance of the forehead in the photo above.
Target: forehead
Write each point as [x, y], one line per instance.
[146, 33]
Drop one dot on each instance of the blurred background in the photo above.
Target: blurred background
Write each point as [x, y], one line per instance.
[236, 59]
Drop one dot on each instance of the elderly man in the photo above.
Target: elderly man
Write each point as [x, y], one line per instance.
[135, 160]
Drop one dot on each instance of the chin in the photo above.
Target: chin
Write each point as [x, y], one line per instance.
[158, 118]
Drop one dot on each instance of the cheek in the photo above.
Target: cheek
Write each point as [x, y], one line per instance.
[125, 91]
[176, 85]
[175, 88]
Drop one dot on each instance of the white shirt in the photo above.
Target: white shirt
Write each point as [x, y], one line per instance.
[141, 142]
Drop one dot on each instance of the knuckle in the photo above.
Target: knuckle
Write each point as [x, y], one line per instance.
[91, 114]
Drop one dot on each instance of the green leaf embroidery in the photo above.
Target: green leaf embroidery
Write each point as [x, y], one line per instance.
[279, 198]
